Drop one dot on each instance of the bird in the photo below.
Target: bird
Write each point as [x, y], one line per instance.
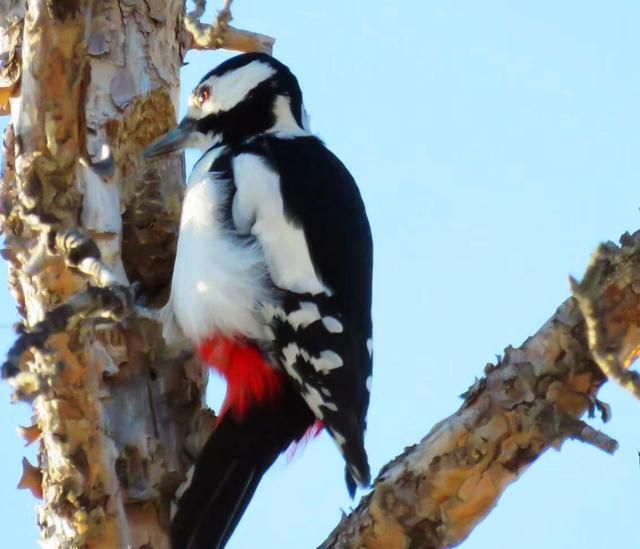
[272, 285]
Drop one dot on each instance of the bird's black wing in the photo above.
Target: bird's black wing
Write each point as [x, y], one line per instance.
[321, 328]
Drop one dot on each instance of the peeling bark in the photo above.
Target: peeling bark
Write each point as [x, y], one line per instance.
[10, 57]
[91, 84]
[436, 492]
[118, 415]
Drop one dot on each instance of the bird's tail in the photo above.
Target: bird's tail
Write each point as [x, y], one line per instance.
[230, 467]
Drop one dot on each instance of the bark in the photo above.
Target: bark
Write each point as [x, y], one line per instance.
[118, 415]
[435, 493]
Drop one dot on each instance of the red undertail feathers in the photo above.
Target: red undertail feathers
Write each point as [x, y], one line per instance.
[249, 376]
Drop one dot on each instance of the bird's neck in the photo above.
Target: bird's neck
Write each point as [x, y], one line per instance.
[259, 117]
[285, 122]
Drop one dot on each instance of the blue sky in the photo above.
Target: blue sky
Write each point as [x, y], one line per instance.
[495, 147]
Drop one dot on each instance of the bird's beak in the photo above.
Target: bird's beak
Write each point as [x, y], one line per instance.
[173, 140]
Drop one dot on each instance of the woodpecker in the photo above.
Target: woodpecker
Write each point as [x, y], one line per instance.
[271, 284]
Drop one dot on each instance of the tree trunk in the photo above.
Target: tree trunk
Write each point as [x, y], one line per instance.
[91, 84]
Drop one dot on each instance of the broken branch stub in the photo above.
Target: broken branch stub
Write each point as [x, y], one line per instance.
[221, 35]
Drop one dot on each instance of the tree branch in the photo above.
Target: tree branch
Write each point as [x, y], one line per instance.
[114, 303]
[221, 35]
[609, 345]
[436, 492]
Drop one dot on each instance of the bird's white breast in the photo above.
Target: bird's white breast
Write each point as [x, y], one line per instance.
[218, 280]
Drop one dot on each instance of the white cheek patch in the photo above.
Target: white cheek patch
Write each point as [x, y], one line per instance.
[231, 88]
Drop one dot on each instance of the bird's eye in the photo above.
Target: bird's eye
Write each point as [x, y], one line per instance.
[203, 94]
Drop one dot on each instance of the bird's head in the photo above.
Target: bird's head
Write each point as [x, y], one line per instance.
[246, 95]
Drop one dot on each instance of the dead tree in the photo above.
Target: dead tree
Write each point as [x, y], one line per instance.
[90, 227]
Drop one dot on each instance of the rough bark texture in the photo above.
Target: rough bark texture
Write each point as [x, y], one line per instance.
[113, 407]
[118, 415]
[433, 494]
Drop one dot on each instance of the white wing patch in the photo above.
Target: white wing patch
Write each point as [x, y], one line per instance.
[316, 402]
[271, 311]
[290, 354]
[218, 283]
[332, 324]
[305, 315]
[258, 208]
[316, 398]
[329, 360]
